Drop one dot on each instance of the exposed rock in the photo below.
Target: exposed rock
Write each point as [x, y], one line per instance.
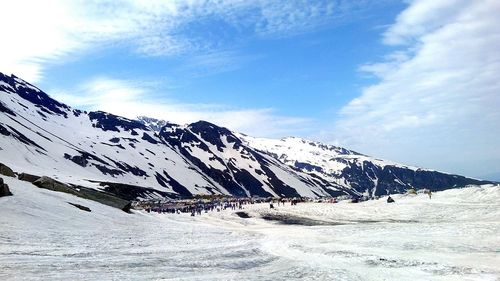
[28, 177]
[6, 171]
[104, 198]
[52, 184]
[34, 95]
[83, 192]
[132, 192]
[4, 189]
[81, 207]
[110, 122]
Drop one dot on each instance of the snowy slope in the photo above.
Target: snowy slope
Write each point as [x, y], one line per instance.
[350, 169]
[454, 236]
[239, 168]
[55, 140]
[41, 136]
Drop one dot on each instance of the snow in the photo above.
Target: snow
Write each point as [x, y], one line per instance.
[453, 236]
[3, 84]
[311, 168]
[331, 159]
[22, 83]
[59, 135]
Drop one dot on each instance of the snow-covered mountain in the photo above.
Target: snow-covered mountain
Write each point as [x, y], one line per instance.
[350, 170]
[152, 123]
[154, 158]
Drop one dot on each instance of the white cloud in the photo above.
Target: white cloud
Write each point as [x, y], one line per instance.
[422, 17]
[41, 33]
[38, 33]
[30, 37]
[134, 98]
[438, 99]
[217, 62]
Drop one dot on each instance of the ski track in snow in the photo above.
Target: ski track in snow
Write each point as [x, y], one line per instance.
[454, 236]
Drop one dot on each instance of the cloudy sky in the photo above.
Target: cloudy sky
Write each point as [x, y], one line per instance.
[412, 81]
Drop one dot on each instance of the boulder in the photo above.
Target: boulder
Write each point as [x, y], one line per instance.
[6, 171]
[4, 189]
[83, 192]
[28, 177]
[104, 198]
[52, 184]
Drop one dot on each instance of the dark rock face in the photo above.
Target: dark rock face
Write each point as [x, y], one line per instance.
[51, 184]
[34, 95]
[5, 109]
[393, 179]
[105, 198]
[213, 134]
[134, 170]
[178, 138]
[110, 122]
[6, 171]
[9, 131]
[85, 158]
[166, 180]
[4, 131]
[307, 167]
[421, 179]
[28, 177]
[148, 138]
[81, 207]
[83, 192]
[4, 189]
[235, 179]
[132, 192]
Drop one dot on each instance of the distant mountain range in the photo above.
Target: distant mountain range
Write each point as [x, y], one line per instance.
[41, 136]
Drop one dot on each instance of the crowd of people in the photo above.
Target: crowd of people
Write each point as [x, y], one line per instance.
[199, 206]
[194, 206]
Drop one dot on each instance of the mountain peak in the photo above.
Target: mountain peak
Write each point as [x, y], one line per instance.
[198, 158]
[27, 91]
[153, 123]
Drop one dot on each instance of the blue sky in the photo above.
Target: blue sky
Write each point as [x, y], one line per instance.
[411, 81]
[306, 73]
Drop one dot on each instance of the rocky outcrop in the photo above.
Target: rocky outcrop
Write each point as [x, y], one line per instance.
[6, 171]
[28, 177]
[132, 192]
[103, 198]
[81, 207]
[52, 184]
[83, 192]
[4, 189]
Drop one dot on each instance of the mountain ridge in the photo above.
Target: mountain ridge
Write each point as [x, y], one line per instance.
[199, 158]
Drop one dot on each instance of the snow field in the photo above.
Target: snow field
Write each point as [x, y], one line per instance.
[453, 236]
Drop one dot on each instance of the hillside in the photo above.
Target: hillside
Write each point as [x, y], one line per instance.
[41, 136]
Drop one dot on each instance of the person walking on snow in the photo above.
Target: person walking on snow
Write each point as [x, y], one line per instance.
[430, 194]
